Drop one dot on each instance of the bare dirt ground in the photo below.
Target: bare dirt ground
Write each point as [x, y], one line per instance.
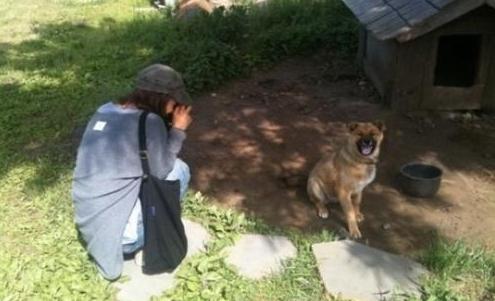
[254, 141]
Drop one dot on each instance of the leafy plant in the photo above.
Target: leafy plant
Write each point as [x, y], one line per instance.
[213, 48]
[453, 258]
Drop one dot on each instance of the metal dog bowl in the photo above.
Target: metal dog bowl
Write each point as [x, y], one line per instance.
[420, 179]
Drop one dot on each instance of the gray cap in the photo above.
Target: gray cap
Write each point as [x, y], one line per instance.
[163, 79]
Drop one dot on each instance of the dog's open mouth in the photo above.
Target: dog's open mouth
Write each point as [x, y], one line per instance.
[366, 146]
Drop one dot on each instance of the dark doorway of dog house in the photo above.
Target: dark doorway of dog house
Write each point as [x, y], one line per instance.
[458, 60]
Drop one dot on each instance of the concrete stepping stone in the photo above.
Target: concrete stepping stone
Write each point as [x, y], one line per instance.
[351, 270]
[257, 256]
[141, 287]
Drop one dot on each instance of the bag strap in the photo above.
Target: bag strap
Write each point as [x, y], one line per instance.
[143, 152]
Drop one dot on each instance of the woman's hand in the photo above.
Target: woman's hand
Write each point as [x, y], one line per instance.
[181, 117]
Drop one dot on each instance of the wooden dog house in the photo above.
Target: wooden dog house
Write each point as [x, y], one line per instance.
[429, 54]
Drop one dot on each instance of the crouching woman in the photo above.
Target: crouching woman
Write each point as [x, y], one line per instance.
[108, 172]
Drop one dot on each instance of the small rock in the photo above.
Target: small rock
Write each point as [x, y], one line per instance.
[269, 250]
[213, 94]
[388, 272]
[386, 226]
[141, 287]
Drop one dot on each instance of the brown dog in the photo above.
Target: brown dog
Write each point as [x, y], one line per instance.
[343, 175]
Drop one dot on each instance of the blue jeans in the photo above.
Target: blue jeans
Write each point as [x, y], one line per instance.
[180, 172]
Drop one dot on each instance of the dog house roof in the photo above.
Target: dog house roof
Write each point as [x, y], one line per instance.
[405, 20]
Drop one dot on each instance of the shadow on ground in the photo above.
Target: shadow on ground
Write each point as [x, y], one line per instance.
[254, 141]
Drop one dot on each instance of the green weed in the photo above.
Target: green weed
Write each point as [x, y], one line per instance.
[452, 259]
[459, 272]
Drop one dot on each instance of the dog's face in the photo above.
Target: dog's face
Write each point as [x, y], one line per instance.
[365, 138]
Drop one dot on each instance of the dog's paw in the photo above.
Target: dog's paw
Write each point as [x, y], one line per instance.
[360, 217]
[323, 214]
[354, 232]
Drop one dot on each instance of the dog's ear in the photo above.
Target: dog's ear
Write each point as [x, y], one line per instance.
[352, 125]
[380, 125]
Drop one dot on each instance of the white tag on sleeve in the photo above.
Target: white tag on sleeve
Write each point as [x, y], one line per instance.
[99, 126]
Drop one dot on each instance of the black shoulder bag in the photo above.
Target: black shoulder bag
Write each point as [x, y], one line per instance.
[165, 241]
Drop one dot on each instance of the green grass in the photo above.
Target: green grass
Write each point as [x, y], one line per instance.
[461, 272]
[60, 59]
[207, 277]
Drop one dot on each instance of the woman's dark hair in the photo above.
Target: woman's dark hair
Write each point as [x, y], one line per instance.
[146, 100]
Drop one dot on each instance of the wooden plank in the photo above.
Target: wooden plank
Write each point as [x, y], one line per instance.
[396, 4]
[441, 3]
[416, 12]
[363, 35]
[477, 22]
[366, 6]
[489, 96]
[410, 73]
[449, 13]
[359, 7]
[389, 22]
[452, 98]
[395, 26]
[379, 64]
[374, 14]
[392, 31]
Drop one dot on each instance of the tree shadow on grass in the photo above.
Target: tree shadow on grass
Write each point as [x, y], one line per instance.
[54, 82]
[57, 79]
